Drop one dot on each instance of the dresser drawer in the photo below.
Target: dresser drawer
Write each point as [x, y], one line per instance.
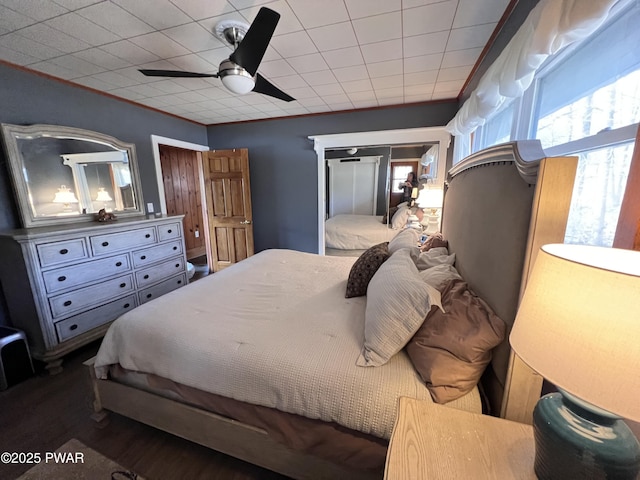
[168, 231]
[85, 273]
[155, 291]
[78, 324]
[159, 272]
[71, 302]
[113, 242]
[151, 255]
[55, 253]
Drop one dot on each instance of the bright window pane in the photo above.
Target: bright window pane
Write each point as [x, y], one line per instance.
[498, 129]
[609, 107]
[597, 195]
[399, 176]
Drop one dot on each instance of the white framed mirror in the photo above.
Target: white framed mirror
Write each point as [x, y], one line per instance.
[66, 175]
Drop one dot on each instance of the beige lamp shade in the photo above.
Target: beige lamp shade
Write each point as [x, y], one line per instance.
[431, 198]
[103, 195]
[65, 196]
[578, 324]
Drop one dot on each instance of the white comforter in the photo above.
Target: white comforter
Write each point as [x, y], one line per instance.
[356, 232]
[273, 330]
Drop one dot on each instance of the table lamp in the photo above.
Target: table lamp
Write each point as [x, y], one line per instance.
[430, 200]
[578, 326]
[65, 197]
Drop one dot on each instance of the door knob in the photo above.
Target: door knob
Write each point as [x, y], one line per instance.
[245, 222]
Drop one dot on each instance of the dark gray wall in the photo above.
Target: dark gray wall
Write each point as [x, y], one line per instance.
[27, 98]
[284, 166]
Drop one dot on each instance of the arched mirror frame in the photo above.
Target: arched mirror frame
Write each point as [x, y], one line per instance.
[13, 133]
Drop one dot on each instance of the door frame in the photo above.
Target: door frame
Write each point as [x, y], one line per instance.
[362, 139]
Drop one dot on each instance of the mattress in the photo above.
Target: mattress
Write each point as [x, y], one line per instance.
[273, 330]
[356, 232]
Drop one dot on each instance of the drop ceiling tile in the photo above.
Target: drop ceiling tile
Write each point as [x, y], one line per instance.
[345, 57]
[459, 58]
[357, 86]
[214, 93]
[423, 63]
[367, 8]
[387, 82]
[288, 22]
[318, 13]
[429, 76]
[168, 86]
[157, 13]
[329, 89]
[199, 9]
[449, 86]
[381, 51]
[255, 99]
[293, 44]
[193, 63]
[391, 100]
[10, 20]
[197, 83]
[276, 68]
[160, 45]
[128, 94]
[426, 88]
[129, 52]
[168, 99]
[102, 58]
[318, 108]
[445, 95]
[16, 57]
[189, 97]
[419, 98]
[294, 111]
[216, 55]
[336, 99]
[425, 44]
[290, 81]
[472, 12]
[78, 65]
[379, 28]
[269, 108]
[75, 4]
[470, 37]
[322, 77]
[26, 46]
[94, 83]
[33, 9]
[428, 18]
[455, 73]
[332, 37]
[312, 102]
[302, 92]
[194, 37]
[53, 69]
[340, 107]
[417, 3]
[356, 72]
[115, 19]
[240, 4]
[384, 69]
[46, 35]
[394, 92]
[308, 63]
[150, 91]
[365, 103]
[83, 29]
[116, 79]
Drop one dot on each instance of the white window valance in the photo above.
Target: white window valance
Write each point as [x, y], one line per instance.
[550, 26]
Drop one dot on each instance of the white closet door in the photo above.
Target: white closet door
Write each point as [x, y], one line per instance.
[353, 186]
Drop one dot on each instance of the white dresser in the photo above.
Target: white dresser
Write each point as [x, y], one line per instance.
[64, 285]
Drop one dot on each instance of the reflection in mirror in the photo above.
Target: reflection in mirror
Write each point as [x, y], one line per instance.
[64, 174]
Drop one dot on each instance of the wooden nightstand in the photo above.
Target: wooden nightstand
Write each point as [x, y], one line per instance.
[430, 441]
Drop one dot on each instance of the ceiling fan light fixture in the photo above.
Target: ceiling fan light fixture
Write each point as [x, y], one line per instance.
[236, 78]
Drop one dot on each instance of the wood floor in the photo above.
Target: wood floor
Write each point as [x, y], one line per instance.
[42, 413]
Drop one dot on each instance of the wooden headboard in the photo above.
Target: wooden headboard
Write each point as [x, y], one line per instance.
[501, 204]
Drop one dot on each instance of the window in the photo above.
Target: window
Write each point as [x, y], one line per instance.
[586, 102]
[399, 175]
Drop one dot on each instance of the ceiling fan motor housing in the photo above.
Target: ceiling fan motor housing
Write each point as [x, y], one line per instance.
[235, 78]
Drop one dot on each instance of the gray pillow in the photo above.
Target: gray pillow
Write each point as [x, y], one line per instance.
[406, 238]
[398, 301]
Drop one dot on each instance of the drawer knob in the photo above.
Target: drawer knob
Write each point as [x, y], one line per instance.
[67, 303]
[62, 278]
[143, 257]
[147, 235]
[177, 265]
[169, 231]
[64, 251]
[175, 248]
[146, 277]
[126, 305]
[122, 285]
[149, 295]
[105, 244]
[179, 282]
[118, 264]
[73, 327]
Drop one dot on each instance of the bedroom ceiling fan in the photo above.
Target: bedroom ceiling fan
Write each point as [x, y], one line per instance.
[239, 72]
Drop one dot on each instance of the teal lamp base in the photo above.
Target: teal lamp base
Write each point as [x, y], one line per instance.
[575, 442]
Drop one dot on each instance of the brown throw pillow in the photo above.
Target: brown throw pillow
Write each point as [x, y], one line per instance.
[364, 268]
[451, 350]
[434, 241]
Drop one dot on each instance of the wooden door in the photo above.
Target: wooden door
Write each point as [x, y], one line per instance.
[228, 198]
[183, 195]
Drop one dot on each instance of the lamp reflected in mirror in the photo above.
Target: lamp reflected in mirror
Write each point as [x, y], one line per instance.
[103, 197]
[430, 200]
[66, 198]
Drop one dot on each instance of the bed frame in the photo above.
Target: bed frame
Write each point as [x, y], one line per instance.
[500, 206]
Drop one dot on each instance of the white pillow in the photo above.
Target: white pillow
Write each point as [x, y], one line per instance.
[399, 219]
[406, 238]
[433, 257]
[398, 301]
[440, 275]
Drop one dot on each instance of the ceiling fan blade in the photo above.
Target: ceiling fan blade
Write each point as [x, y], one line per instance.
[255, 42]
[265, 87]
[176, 74]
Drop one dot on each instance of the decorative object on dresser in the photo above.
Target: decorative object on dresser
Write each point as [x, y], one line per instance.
[589, 350]
[65, 284]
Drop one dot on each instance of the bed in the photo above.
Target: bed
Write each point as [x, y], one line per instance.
[351, 235]
[308, 376]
